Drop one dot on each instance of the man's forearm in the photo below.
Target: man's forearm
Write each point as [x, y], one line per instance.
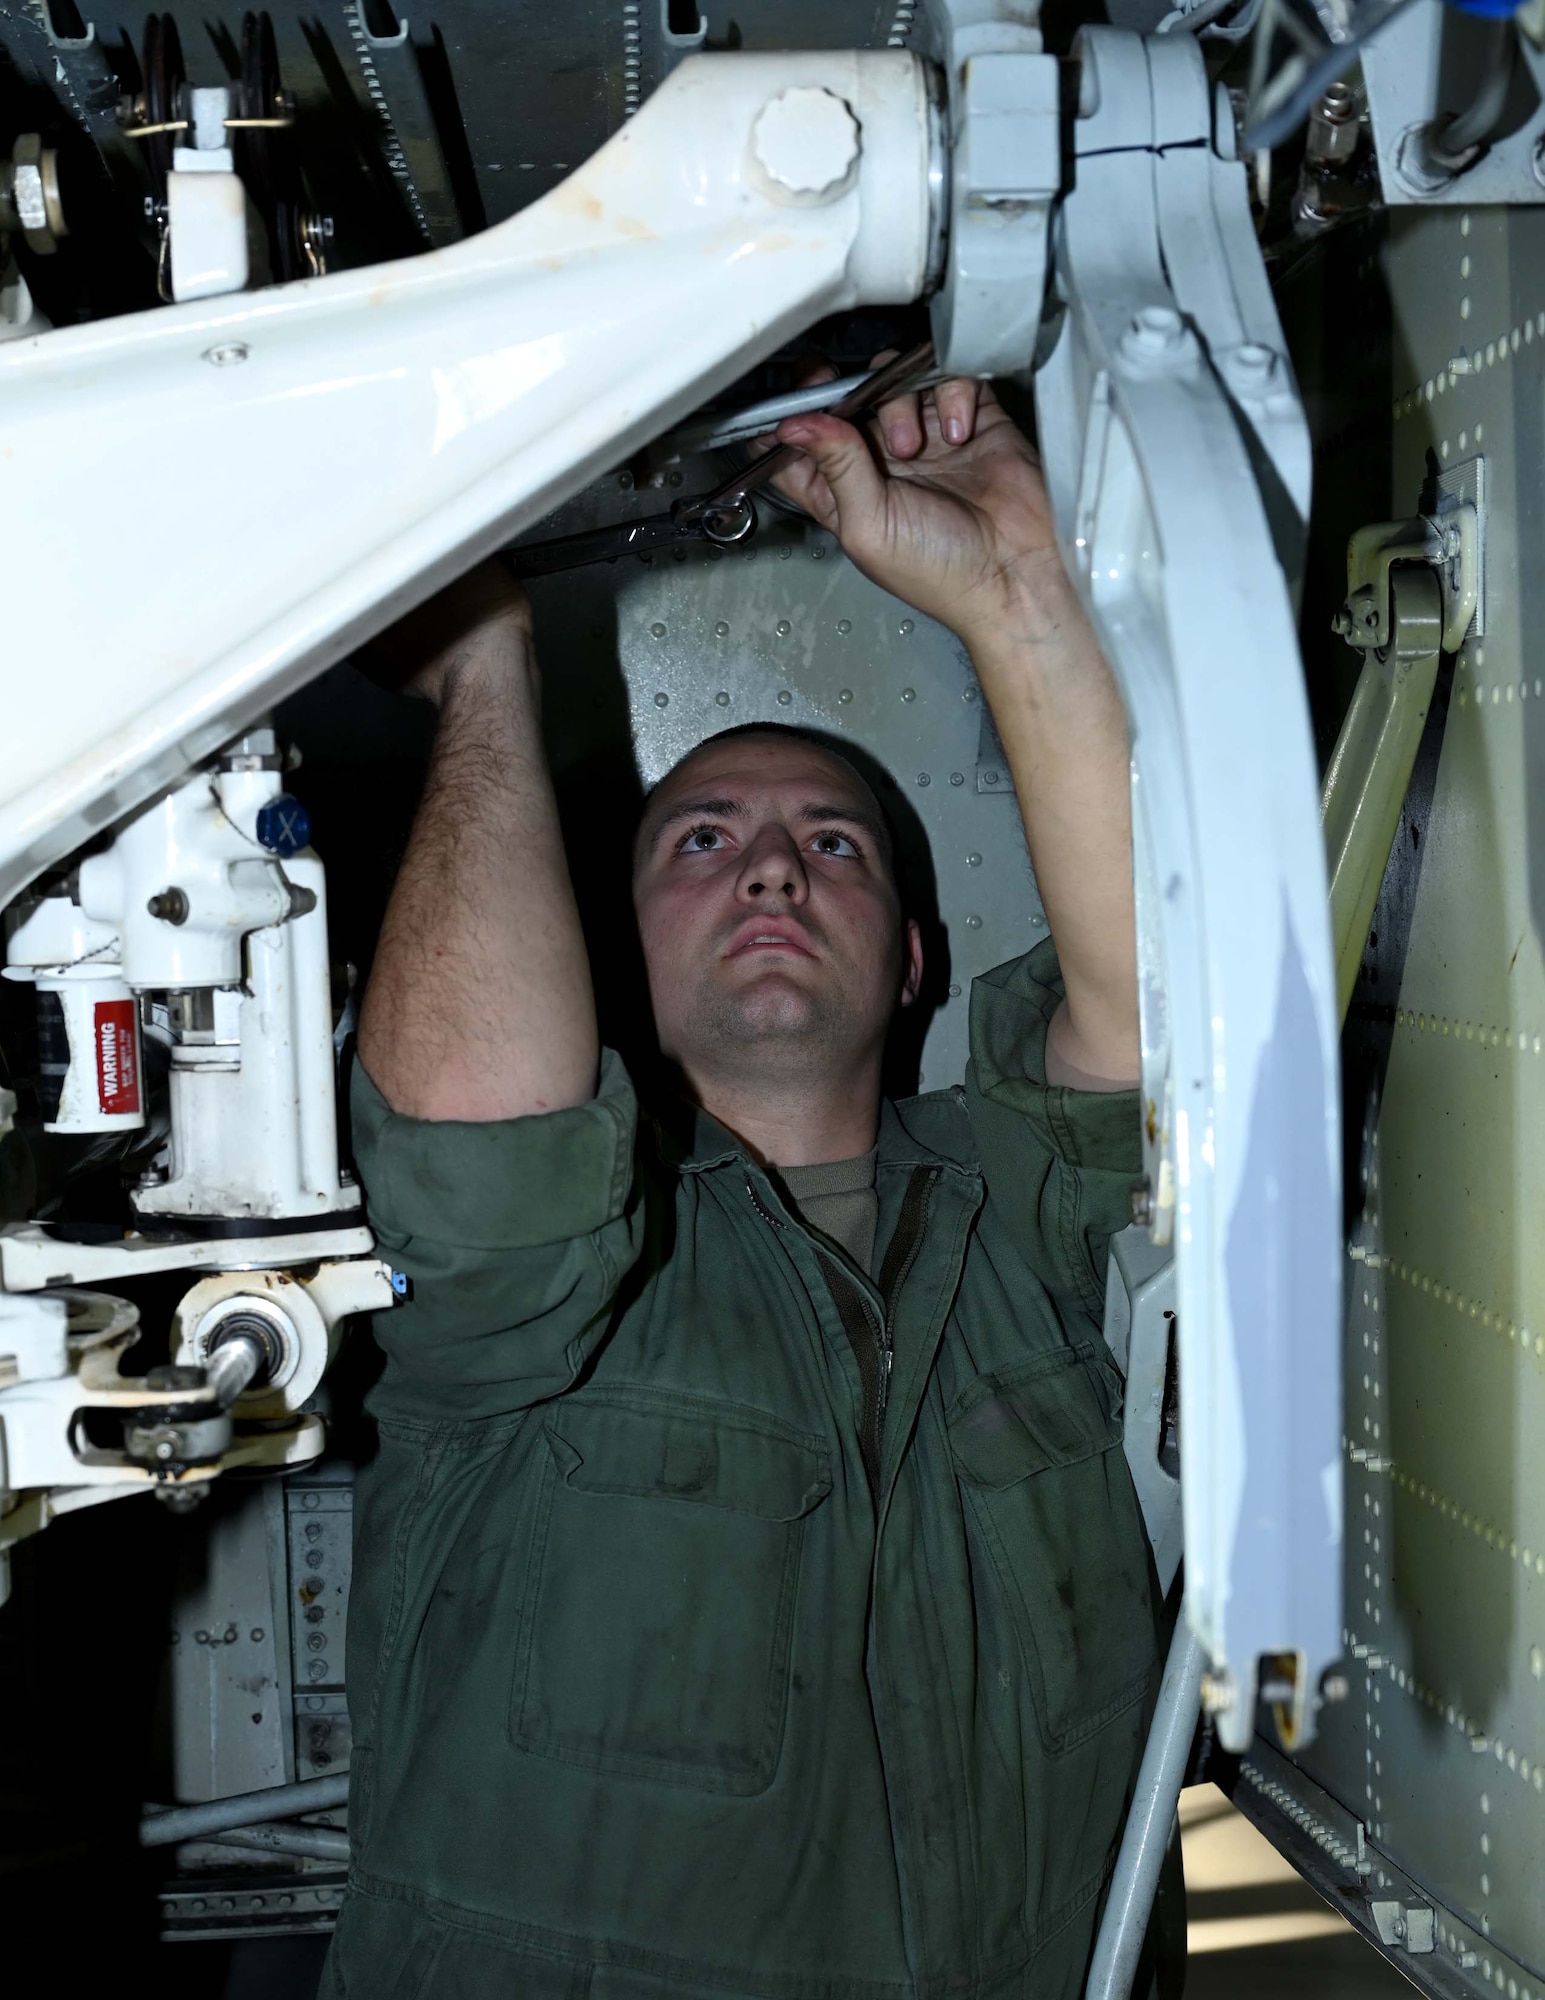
[480, 1004]
[1064, 733]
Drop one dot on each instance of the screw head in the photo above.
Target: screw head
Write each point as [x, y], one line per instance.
[170, 906]
[806, 142]
[230, 354]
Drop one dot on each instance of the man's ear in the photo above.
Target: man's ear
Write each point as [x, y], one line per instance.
[911, 962]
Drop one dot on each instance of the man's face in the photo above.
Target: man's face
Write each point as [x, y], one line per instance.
[768, 911]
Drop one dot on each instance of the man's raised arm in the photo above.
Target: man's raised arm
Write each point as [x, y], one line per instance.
[480, 1004]
[947, 509]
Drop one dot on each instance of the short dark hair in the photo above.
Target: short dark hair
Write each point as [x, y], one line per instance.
[830, 746]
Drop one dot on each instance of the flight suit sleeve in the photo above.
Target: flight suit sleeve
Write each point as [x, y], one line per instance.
[513, 1234]
[1059, 1164]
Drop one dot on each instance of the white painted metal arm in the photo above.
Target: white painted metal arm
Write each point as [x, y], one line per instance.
[1177, 459]
[211, 502]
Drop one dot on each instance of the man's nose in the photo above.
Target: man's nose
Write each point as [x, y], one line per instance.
[773, 870]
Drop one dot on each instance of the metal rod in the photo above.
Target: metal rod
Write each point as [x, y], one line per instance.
[1147, 1835]
[713, 433]
[232, 1367]
[163, 1829]
[316, 1843]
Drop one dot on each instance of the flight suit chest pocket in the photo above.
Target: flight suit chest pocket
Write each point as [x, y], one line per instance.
[659, 1606]
[1050, 1507]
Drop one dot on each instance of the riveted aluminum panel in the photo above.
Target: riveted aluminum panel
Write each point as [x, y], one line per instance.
[1440, 1751]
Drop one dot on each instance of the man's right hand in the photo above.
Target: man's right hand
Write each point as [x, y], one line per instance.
[478, 625]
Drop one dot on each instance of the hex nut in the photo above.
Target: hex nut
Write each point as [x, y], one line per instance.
[806, 142]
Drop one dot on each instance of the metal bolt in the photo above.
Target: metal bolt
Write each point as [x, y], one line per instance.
[989, 777]
[973, 860]
[817, 551]
[844, 694]
[904, 627]
[909, 694]
[806, 140]
[1332, 135]
[973, 923]
[658, 630]
[257, 1635]
[1155, 330]
[957, 777]
[784, 697]
[844, 626]
[316, 1670]
[1335, 1687]
[722, 629]
[231, 1635]
[625, 481]
[721, 699]
[923, 778]
[783, 628]
[171, 906]
[1255, 360]
[1140, 1205]
[229, 354]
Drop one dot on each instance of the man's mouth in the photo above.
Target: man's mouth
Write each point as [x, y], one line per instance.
[769, 937]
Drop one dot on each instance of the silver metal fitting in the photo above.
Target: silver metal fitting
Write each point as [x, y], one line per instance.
[29, 194]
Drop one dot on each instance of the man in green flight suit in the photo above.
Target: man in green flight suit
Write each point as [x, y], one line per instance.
[750, 1597]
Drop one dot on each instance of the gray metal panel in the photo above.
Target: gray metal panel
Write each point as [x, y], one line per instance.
[228, 1680]
[1441, 1749]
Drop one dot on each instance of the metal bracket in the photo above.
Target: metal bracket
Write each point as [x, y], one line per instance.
[1448, 541]
[1139, 1318]
[1414, 592]
[1005, 172]
[389, 65]
[1408, 1925]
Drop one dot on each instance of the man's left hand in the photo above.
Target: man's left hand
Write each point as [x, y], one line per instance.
[939, 500]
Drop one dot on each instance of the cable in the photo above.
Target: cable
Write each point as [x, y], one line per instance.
[1289, 98]
[1190, 19]
[1448, 147]
[1242, 25]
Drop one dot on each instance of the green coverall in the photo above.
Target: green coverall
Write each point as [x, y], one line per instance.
[725, 1622]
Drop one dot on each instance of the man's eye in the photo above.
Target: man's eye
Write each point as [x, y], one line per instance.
[703, 839]
[835, 843]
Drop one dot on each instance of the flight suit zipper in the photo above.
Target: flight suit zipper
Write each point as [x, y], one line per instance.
[873, 1341]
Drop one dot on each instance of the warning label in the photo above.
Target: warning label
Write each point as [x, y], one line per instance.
[117, 1057]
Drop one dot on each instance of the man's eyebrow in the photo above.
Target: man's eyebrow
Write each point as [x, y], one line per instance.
[819, 815]
[697, 809]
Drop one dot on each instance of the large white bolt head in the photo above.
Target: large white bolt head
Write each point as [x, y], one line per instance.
[805, 140]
